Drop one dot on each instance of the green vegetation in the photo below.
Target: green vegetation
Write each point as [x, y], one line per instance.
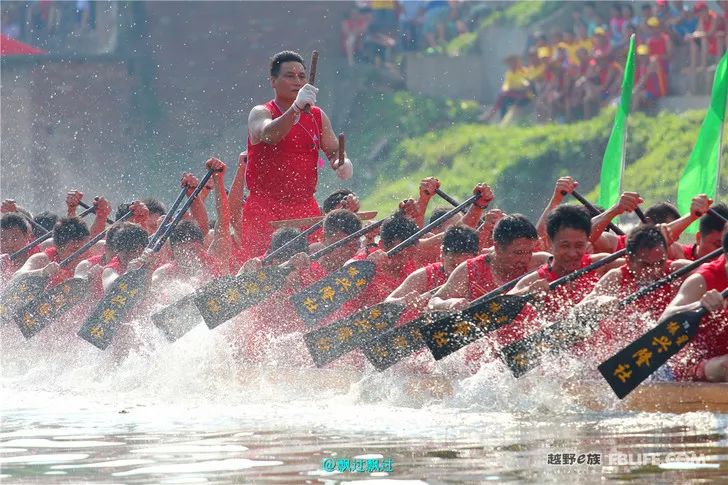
[521, 14]
[521, 163]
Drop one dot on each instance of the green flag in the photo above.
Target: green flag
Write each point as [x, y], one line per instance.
[701, 173]
[613, 161]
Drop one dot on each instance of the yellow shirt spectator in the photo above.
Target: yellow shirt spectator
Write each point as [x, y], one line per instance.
[516, 80]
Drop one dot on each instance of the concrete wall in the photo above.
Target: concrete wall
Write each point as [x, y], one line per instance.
[478, 76]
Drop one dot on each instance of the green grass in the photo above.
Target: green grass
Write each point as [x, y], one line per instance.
[522, 163]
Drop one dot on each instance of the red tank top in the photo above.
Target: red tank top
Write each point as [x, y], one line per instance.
[63, 274]
[565, 296]
[480, 278]
[689, 251]
[288, 169]
[116, 265]
[712, 337]
[654, 303]
[435, 274]
[621, 243]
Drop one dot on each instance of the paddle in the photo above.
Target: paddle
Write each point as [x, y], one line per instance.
[401, 342]
[312, 76]
[223, 298]
[328, 294]
[328, 343]
[455, 332]
[25, 288]
[594, 211]
[170, 212]
[40, 228]
[525, 354]
[35, 316]
[629, 367]
[100, 327]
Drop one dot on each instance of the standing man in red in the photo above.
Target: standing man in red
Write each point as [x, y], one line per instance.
[283, 152]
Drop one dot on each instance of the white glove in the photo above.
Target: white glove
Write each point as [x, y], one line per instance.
[306, 95]
[345, 170]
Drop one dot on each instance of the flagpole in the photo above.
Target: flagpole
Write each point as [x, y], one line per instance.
[720, 153]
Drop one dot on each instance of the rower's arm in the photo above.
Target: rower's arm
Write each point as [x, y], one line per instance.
[608, 285]
[329, 140]
[524, 285]
[455, 288]
[416, 281]
[34, 265]
[609, 266]
[263, 128]
[237, 194]
[220, 248]
[428, 249]
[699, 205]
[688, 297]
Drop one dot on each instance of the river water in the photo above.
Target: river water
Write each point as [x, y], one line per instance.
[189, 413]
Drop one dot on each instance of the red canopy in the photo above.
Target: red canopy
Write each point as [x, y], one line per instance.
[12, 47]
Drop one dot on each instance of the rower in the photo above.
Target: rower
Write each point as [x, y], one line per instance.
[706, 357]
[646, 262]
[130, 239]
[15, 233]
[512, 255]
[568, 229]
[459, 244]
[284, 140]
[709, 235]
[69, 235]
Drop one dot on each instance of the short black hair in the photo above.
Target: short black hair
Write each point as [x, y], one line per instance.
[709, 223]
[644, 236]
[110, 234]
[184, 232]
[121, 210]
[568, 216]
[332, 201]
[396, 229]
[341, 220]
[155, 206]
[69, 229]
[13, 220]
[512, 227]
[130, 236]
[437, 213]
[281, 237]
[280, 58]
[460, 240]
[47, 220]
[662, 213]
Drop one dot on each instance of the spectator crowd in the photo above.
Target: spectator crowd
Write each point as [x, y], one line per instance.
[41, 22]
[375, 29]
[571, 73]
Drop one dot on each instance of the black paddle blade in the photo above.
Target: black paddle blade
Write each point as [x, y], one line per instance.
[323, 297]
[397, 343]
[24, 290]
[100, 327]
[51, 305]
[176, 320]
[328, 343]
[525, 355]
[454, 332]
[226, 297]
[626, 369]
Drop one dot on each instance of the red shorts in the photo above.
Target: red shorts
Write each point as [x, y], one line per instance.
[259, 211]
